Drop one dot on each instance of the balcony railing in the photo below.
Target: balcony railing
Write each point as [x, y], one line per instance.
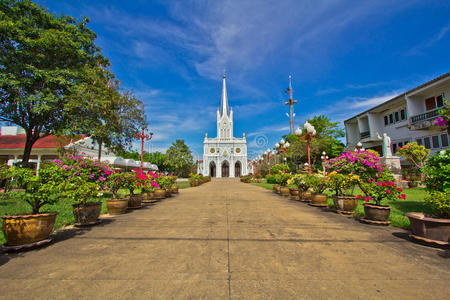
[364, 134]
[425, 116]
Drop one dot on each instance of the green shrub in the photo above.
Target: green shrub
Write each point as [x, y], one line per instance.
[437, 172]
[440, 203]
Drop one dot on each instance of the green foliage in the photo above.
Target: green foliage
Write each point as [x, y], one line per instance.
[271, 179]
[437, 172]
[39, 189]
[44, 59]
[318, 183]
[440, 203]
[414, 154]
[282, 178]
[341, 184]
[301, 182]
[380, 189]
[278, 169]
[6, 174]
[115, 182]
[179, 159]
[78, 190]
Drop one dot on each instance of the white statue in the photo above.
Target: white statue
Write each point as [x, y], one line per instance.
[387, 152]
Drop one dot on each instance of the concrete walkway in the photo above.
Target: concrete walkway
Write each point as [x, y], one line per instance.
[227, 239]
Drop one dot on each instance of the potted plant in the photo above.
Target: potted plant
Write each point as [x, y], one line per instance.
[434, 228]
[133, 182]
[193, 179]
[319, 185]
[174, 186]
[301, 181]
[343, 186]
[25, 229]
[116, 205]
[282, 180]
[293, 190]
[376, 191]
[160, 190]
[148, 188]
[82, 178]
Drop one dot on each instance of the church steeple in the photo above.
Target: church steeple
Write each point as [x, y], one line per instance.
[224, 102]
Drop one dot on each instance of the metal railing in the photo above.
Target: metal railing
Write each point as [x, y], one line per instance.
[425, 116]
[364, 134]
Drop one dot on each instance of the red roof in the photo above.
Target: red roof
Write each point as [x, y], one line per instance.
[18, 142]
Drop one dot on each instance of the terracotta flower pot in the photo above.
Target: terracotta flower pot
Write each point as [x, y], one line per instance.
[345, 204]
[293, 193]
[284, 191]
[168, 192]
[429, 229]
[86, 214]
[117, 206]
[319, 200]
[160, 194]
[275, 188]
[148, 197]
[305, 196]
[28, 229]
[192, 183]
[135, 201]
[174, 189]
[376, 212]
[278, 189]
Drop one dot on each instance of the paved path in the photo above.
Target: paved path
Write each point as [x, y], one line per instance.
[223, 240]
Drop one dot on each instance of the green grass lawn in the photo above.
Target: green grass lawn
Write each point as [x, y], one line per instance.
[413, 203]
[14, 206]
[183, 184]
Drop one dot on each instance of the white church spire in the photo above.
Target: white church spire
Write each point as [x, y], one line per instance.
[224, 102]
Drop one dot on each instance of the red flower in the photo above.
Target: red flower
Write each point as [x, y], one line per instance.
[388, 191]
[358, 197]
[402, 196]
[367, 199]
[400, 190]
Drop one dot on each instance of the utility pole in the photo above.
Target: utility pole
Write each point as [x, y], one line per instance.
[291, 103]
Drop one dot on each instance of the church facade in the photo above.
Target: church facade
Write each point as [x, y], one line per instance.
[225, 155]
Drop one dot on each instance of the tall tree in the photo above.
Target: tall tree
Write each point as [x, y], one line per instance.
[43, 59]
[179, 160]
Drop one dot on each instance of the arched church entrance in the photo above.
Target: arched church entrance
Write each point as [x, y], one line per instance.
[225, 169]
[237, 169]
[212, 169]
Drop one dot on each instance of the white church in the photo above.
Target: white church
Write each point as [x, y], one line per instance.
[225, 155]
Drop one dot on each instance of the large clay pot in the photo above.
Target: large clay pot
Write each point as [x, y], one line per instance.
[319, 200]
[345, 204]
[293, 193]
[168, 192]
[305, 196]
[174, 189]
[117, 206]
[275, 188]
[135, 201]
[160, 194]
[192, 183]
[278, 189]
[28, 229]
[376, 212]
[429, 229]
[284, 191]
[148, 197]
[86, 214]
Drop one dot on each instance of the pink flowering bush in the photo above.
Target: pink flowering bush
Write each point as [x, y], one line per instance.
[364, 164]
[86, 168]
[444, 119]
[381, 188]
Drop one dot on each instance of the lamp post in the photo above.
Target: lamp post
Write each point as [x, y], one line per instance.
[324, 158]
[268, 154]
[310, 133]
[142, 136]
[282, 147]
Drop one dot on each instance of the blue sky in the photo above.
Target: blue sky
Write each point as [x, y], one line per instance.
[344, 56]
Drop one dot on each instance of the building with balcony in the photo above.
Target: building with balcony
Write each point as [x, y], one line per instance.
[405, 118]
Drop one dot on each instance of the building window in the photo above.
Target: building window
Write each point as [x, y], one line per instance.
[439, 101]
[397, 116]
[419, 141]
[427, 142]
[435, 140]
[430, 103]
[403, 114]
[386, 120]
[391, 119]
[444, 140]
[394, 148]
[400, 144]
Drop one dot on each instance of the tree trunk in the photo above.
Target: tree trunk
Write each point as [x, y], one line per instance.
[29, 142]
[100, 150]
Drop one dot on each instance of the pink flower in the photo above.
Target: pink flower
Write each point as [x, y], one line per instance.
[402, 196]
[368, 198]
[138, 183]
[378, 183]
[399, 189]
[388, 191]
[358, 197]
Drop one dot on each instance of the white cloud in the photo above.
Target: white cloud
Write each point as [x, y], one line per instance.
[424, 45]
